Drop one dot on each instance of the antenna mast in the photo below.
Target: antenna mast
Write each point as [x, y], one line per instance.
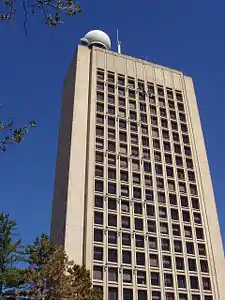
[118, 42]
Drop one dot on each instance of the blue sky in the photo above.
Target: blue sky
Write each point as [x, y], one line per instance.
[187, 35]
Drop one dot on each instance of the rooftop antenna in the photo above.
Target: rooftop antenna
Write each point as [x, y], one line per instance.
[118, 42]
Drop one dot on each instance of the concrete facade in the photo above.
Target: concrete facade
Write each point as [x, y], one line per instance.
[133, 196]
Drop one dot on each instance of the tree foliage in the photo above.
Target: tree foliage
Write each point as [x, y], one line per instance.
[11, 252]
[49, 274]
[51, 10]
[9, 134]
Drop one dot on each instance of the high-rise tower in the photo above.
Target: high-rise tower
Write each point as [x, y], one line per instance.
[133, 195]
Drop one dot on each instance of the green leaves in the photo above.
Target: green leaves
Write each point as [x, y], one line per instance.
[13, 135]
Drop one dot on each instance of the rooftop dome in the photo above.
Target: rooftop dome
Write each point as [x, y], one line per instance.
[97, 37]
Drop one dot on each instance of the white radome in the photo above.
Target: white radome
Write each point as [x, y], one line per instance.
[97, 37]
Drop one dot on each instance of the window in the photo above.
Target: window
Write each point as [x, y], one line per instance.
[189, 163]
[169, 171]
[186, 139]
[183, 297]
[186, 216]
[127, 276]
[187, 231]
[98, 272]
[156, 144]
[111, 160]
[112, 174]
[163, 228]
[98, 235]
[136, 178]
[133, 115]
[138, 224]
[176, 229]
[148, 181]
[151, 226]
[123, 162]
[100, 86]
[112, 255]
[192, 264]
[184, 201]
[113, 274]
[155, 279]
[112, 188]
[171, 185]
[138, 208]
[112, 293]
[139, 239]
[175, 137]
[125, 207]
[122, 113]
[100, 74]
[174, 125]
[159, 182]
[134, 151]
[143, 117]
[147, 166]
[178, 246]
[123, 148]
[161, 102]
[196, 297]
[171, 104]
[195, 203]
[121, 91]
[140, 258]
[168, 279]
[146, 153]
[177, 148]
[111, 134]
[173, 114]
[206, 284]
[193, 189]
[127, 294]
[145, 142]
[126, 257]
[125, 222]
[142, 295]
[190, 248]
[187, 150]
[165, 243]
[167, 262]
[174, 214]
[111, 88]
[124, 176]
[141, 277]
[161, 197]
[111, 110]
[111, 99]
[98, 218]
[153, 260]
[179, 161]
[199, 233]
[131, 94]
[162, 212]
[112, 237]
[180, 174]
[98, 201]
[156, 295]
[166, 146]
[98, 186]
[158, 169]
[111, 146]
[99, 143]
[150, 209]
[99, 157]
[137, 192]
[126, 241]
[98, 253]
[135, 165]
[152, 243]
[112, 203]
[168, 158]
[112, 220]
[124, 190]
[173, 199]
[181, 281]
[204, 266]
[179, 263]
[99, 171]
[170, 296]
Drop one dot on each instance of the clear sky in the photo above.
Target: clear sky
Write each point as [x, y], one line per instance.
[186, 35]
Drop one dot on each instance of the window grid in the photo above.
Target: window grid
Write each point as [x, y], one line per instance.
[145, 217]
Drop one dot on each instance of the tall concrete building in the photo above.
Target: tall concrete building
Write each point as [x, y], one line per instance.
[133, 196]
